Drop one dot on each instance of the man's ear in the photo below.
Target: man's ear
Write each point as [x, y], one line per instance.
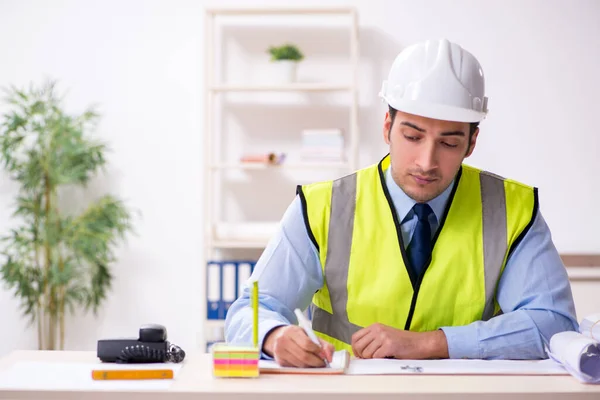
[473, 143]
[387, 124]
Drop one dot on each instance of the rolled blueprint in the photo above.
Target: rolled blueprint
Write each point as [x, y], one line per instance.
[578, 354]
[590, 327]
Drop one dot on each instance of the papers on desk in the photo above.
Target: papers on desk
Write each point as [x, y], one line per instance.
[579, 352]
[454, 367]
[338, 366]
[35, 375]
[342, 364]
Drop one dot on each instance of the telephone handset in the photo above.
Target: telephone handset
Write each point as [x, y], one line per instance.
[151, 346]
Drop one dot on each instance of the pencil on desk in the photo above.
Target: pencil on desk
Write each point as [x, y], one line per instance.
[131, 374]
[255, 313]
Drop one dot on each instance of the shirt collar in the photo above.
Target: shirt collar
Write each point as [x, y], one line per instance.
[404, 204]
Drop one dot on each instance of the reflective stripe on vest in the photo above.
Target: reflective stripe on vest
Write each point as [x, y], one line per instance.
[341, 222]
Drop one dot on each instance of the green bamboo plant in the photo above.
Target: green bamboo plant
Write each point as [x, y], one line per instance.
[55, 259]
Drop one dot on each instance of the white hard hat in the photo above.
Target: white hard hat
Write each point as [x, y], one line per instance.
[437, 79]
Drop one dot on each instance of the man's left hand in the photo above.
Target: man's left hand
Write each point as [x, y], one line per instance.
[381, 341]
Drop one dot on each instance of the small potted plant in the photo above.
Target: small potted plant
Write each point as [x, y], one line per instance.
[286, 58]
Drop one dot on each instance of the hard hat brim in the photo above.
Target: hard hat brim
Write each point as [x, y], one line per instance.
[436, 111]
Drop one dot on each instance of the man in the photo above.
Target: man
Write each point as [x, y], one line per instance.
[418, 256]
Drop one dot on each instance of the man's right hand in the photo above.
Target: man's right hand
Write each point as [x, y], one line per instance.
[291, 347]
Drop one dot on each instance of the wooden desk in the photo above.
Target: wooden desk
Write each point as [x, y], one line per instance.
[195, 381]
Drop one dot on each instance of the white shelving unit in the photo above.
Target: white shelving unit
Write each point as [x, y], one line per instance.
[292, 87]
[217, 240]
[288, 166]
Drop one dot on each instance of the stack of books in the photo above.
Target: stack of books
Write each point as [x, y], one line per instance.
[322, 145]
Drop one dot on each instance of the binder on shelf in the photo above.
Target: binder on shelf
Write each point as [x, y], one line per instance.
[225, 282]
[229, 287]
[213, 290]
[244, 270]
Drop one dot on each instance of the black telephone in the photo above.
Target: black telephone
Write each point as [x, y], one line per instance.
[151, 347]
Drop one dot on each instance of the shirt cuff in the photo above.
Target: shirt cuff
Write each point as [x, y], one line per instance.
[263, 329]
[462, 341]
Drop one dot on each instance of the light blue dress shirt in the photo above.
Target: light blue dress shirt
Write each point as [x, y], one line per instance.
[533, 292]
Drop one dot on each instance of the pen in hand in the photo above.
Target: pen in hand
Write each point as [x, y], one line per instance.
[305, 325]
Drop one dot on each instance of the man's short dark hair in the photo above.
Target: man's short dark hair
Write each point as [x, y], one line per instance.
[472, 126]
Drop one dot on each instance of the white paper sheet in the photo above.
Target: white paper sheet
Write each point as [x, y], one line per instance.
[33, 375]
[454, 367]
[338, 363]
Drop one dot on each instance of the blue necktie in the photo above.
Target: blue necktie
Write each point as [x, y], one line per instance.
[419, 249]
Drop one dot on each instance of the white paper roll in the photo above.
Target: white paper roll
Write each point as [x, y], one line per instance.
[579, 354]
[590, 327]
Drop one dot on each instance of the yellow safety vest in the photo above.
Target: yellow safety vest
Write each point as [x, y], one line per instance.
[353, 224]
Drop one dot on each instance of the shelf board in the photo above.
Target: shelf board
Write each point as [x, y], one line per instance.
[281, 11]
[240, 244]
[214, 323]
[245, 235]
[291, 87]
[583, 273]
[290, 166]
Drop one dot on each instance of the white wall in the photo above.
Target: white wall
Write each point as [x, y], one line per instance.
[142, 62]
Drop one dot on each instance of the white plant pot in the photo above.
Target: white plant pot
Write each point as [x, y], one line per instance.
[283, 71]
